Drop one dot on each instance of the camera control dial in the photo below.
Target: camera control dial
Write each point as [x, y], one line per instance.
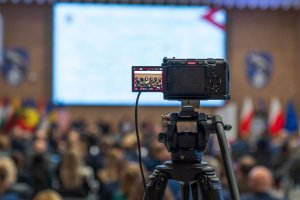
[215, 80]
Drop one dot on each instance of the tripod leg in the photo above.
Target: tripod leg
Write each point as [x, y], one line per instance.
[155, 189]
[195, 191]
[233, 188]
[185, 190]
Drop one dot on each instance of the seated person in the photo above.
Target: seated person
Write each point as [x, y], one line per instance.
[73, 182]
[260, 183]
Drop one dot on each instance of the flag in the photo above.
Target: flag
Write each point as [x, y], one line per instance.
[48, 115]
[229, 116]
[260, 119]
[5, 112]
[246, 117]
[291, 123]
[2, 113]
[30, 116]
[63, 119]
[259, 125]
[41, 107]
[13, 112]
[276, 117]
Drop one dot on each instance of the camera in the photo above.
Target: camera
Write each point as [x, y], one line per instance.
[187, 80]
[180, 79]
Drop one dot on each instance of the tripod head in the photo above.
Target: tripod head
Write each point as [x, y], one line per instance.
[187, 146]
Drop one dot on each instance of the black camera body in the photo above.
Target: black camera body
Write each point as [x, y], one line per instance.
[180, 79]
[196, 79]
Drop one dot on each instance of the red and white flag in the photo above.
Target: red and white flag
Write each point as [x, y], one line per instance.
[246, 117]
[276, 117]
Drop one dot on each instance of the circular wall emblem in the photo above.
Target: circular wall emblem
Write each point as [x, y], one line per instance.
[15, 65]
[259, 67]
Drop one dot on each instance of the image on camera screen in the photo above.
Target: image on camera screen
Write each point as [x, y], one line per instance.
[147, 79]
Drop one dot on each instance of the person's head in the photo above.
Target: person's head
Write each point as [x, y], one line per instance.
[7, 173]
[159, 151]
[131, 182]
[4, 143]
[17, 133]
[125, 125]
[41, 134]
[70, 171]
[244, 165]
[47, 195]
[129, 142]
[214, 163]
[4, 184]
[115, 164]
[260, 179]
[40, 146]
[147, 127]
[93, 129]
[76, 142]
[19, 159]
[116, 159]
[73, 136]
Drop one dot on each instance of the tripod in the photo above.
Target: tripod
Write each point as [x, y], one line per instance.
[186, 165]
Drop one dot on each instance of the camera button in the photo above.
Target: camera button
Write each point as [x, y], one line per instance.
[211, 62]
[215, 80]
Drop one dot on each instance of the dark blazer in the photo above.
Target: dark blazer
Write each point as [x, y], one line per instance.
[258, 196]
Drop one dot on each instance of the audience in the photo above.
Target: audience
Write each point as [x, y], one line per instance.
[92, 161]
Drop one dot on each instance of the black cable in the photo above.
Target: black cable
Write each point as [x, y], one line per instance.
[138, 139]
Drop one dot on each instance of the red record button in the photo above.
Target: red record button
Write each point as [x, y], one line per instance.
[191, 63]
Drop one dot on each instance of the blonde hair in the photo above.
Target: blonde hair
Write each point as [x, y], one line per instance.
[8, 173]
[47, 195]
[71, 170]
[131, 182]
[4, 142]
[116, 162]
[9, 166]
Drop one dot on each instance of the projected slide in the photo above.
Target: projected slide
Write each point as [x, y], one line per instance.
[95, 45]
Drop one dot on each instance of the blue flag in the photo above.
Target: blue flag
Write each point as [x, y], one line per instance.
[291, 124]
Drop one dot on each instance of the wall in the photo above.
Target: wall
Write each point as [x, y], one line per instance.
[29, 27]
[273, 31]
[297, 65]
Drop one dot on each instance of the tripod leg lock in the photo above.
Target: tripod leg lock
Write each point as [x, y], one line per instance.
[217, 119]
[155, 189]
[210, 183]
[211, 187]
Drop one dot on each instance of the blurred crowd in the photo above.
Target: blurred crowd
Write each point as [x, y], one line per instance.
[79, 160]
